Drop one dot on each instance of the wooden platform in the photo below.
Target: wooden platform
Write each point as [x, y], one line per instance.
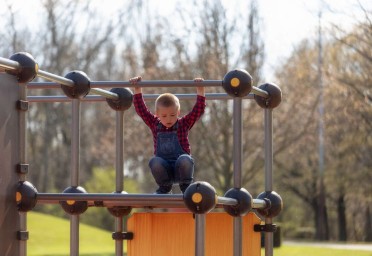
[173, 234]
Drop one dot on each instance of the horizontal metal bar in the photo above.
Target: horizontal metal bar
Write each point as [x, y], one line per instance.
[157, 83]
[9, 64]
[260, 92]
[108, 197]
[259, 204]
[43, 85]
[96, 98]
[121, 84]
[104, 93]
[226, 200]
[62, 98]
[56, 78]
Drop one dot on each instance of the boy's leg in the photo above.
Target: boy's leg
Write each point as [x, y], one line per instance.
[159, 169]
[184, 171]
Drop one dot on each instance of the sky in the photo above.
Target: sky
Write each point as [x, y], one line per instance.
[284, 22]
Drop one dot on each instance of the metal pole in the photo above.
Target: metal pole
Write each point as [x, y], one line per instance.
[119, 174]
[23, 160]
[199, 234]
[237, 151]
[68, 82]
[95, 98]
[55, 78]
[75, 162]
[9, 64]
[143, 84]
[269, 241]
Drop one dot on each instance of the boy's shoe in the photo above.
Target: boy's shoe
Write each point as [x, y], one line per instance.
[184, 186]
[164, 190]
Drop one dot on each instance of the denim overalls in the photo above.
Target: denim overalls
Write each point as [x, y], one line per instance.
[171, 164]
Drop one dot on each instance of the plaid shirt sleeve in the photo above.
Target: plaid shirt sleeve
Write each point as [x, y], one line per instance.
[143, 111]
[197, 111]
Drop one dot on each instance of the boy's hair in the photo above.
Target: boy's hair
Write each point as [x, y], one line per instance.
[167, 100]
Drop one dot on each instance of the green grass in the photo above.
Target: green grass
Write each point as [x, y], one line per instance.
[294, 250]
[51, 236]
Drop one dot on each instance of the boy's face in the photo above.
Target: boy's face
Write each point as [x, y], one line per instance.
[168, 115]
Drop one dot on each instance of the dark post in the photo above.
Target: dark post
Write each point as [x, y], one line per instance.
[9, 160]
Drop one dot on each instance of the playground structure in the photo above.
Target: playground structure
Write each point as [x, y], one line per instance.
[18, 196]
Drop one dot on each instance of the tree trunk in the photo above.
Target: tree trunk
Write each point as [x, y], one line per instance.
[368, 226]
[341, 214]
[321, 217]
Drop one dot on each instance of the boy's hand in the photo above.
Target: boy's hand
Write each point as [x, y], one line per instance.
[200, 90]
[134, 81]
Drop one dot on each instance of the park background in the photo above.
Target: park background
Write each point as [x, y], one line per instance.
[322, 142]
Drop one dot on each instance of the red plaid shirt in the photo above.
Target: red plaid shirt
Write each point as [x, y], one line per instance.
[185, 123]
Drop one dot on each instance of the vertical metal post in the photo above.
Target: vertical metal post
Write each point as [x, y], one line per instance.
[269, 241]
[237, 151]
[23, 160]
[75, 163]
[119, 174]
[199, 234]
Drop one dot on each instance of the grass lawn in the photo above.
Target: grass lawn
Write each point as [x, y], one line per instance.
[49, 236]
[294, 250]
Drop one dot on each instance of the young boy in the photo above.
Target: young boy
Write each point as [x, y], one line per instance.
[172, 161]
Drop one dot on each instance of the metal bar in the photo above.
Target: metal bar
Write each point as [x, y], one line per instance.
[226, 201]
[119, 164]
[268, 149]
[269, 238]
[238, 152]
[199, 234]
[157, 83]
[259, 204]
[108, 197]
[237, 236]
[9, 64]
[55, 78]
[75, 142]
[74, 235]
[75, 163]
[96, 98]
[147, 84]
[209, 96]
[119, 167]
[119, 249]
[62, 98]
[61, 80]
[23, 160]
[104, 93]
[260, 92]
[237, 142]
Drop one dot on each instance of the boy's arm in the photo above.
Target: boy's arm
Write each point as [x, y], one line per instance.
[140, 105]
[199, 107]
[134, 81]
[200, 90]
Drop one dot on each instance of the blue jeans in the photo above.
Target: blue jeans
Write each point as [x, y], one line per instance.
[167, 172]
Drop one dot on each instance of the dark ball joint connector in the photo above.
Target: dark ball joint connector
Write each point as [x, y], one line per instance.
[274, 204]
[28, 67]
[125, 99]
[244, 199]
[237, 83]
[26, 196]
[81, 85]
[119, 211]
[71, 206]
[200, 197]
[274, 99]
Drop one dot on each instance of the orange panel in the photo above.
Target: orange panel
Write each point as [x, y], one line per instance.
[173, 234]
